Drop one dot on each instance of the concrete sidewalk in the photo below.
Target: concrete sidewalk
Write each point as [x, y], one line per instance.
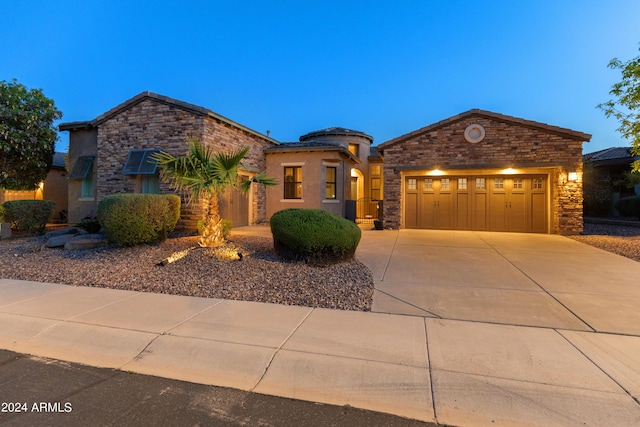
[470, 329]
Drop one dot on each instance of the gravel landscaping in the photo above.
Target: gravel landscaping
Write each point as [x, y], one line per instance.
[618, 239]
[259, 275]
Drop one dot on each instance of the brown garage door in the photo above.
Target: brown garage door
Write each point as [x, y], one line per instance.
[491, 203]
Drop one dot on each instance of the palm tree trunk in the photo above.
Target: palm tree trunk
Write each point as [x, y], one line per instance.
[212, 231]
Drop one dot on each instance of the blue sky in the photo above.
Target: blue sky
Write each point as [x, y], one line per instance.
[382, 67]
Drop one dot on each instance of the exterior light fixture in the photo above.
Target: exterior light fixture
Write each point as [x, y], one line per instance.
[508, 171]
[572, 176]
[436, 172]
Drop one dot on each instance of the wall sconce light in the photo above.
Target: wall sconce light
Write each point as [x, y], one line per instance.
[572, 176]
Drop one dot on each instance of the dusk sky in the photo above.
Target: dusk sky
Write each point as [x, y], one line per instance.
[385, 68]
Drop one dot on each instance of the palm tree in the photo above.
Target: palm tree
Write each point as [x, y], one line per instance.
[205, 175]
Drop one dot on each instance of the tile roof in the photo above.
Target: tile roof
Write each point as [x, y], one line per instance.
[298, 147]
[611, 156]
[338, 131]
[194, 109]
[495, 116]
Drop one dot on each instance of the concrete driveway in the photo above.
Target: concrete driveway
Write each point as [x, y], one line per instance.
[517, 279]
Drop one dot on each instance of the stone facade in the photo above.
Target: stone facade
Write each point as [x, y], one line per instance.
[150, 121]
[524, 146]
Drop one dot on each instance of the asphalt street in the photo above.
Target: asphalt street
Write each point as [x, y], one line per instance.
[41, 391]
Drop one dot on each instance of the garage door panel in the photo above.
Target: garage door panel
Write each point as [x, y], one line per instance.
[411, 210]
[538, 213]
[517, 217]
[463, 218]
[480, 211]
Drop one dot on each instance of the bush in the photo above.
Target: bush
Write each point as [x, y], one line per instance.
[629, 206]
[2, 212]
[315, 236]
[133, 219]
[29, 215]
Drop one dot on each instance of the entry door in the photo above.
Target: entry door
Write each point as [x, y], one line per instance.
[234, 205]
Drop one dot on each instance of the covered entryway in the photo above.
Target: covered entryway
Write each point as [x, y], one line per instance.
[482, 203]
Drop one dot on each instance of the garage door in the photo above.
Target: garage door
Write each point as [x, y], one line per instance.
[490, 203]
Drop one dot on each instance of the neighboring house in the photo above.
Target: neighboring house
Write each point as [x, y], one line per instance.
[110, 154]
[612, 163]
[475, 171]
[54, 187]
[485, 171]
[324, 170]
[604, 182]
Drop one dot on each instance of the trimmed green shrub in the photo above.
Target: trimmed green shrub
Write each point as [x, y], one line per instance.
[133, 219]
[629, 206]
[315, 236]
[29, 215]
[2, 212]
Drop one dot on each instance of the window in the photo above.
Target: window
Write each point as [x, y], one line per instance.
[376, 170]
[444, 184]
[376, 187]
[86, 191]
[411, 184]
[293, 182]
[462, 183]
[537, 183]
[140, 163]
[518, 183]
[498, 183]
[150, 184]
[354, 149]
[83, 169]
[330, 182]
[428, 184]
[481, 184]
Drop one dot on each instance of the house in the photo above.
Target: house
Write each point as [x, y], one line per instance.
[485, 171]
[54, 187]
[109, 155]
[612, 163]
[606, 180]
[478, 170]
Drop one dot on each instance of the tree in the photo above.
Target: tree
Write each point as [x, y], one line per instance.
[27, 135]
[205, 175]
[625, 107]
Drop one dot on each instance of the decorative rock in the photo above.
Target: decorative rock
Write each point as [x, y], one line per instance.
[5, 230]
[59, 241]
[87, 241]
[63, 232]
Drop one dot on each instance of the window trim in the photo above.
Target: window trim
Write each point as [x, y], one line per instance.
[287, 185]
[334, 182]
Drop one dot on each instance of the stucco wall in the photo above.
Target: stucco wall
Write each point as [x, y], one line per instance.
[313, 181]
[506, 145]
[82, 142]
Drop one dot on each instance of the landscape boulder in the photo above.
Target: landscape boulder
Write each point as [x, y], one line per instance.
[86, 241]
